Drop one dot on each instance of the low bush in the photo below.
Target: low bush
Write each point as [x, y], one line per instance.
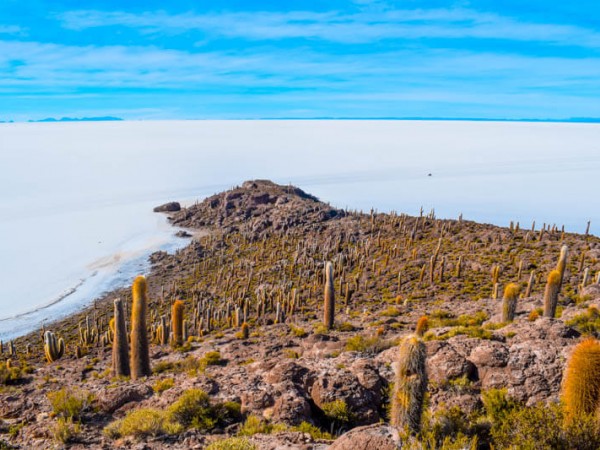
[69, 403]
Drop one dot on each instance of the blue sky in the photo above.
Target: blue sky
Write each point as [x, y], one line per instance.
[269, 59]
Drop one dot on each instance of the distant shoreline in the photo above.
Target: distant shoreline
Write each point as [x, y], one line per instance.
[591, 120]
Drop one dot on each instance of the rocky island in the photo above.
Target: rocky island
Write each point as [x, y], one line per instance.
[287, 323]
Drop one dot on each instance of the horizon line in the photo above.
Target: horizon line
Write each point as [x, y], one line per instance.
[332, 118]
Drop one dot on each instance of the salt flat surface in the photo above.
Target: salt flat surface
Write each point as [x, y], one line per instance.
[76, 198]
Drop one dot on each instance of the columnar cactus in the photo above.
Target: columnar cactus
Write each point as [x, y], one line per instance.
[551, 293]
[509, 302]
[245, 331]
[53, 348]
[120, 346]
[329, 300]
[562, 264]
[177, 322]
[163, 331]
[410, 385]
[140, 356]
[581, 387]
[87, 334]
[529, 288]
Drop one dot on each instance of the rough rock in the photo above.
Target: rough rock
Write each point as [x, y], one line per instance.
[374, 437]
[444, 363]
[113, 399]
[341, 384]
[168, 207]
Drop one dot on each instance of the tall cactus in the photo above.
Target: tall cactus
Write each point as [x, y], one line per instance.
[509, 302]
[329, 300]
[120, 346]
[551, 293]
[410, 384]
[177, 323]
[581, 387]
[140, 356]
[561, 266]
[53, 348]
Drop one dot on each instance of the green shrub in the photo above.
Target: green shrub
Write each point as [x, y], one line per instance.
[587, 322]
[315, 432]
[345, 327]
[369, 345]
[69, 403]
[338, 413]
[161, 386]
[255, 425]
[298, 331]
[193, 410]
[210, 359]
[233, 443]
[498, 405]
[9, 375]
[65, 430]
[142, 423]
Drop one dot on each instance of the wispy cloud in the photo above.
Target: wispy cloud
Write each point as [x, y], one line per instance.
[369, 58]
[41, 66]
[11, 29]
[343, 27]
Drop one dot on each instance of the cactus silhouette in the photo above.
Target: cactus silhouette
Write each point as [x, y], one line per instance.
[140, 357]
[551, 293]
[120, 346]
[177, 323]
[329, 300]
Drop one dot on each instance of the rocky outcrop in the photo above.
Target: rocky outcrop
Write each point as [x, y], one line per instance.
[257, 206]
[168, 207]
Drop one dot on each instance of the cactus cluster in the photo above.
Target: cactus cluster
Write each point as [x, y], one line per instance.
[54, 348]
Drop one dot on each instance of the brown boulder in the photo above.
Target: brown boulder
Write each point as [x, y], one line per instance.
[373, 437]
[342, 385]
[445, 363]
[168, 207]
[113, 399]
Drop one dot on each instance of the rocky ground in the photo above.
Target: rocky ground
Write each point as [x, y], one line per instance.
[263, 251]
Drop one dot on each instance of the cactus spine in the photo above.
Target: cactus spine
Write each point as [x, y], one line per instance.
[329, 301]
[509, 302]
[410, 384]
[177, 323]
[581, 388]
[53, 348]
[551, 293]
[140, 357]
[120, 350]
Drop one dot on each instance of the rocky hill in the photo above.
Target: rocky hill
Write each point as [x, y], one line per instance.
[258, 257]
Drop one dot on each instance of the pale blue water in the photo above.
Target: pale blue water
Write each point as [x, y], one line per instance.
[76, 199]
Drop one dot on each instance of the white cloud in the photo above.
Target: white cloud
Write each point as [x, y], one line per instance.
[365, 26]
[10, 29]
[42, 67]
